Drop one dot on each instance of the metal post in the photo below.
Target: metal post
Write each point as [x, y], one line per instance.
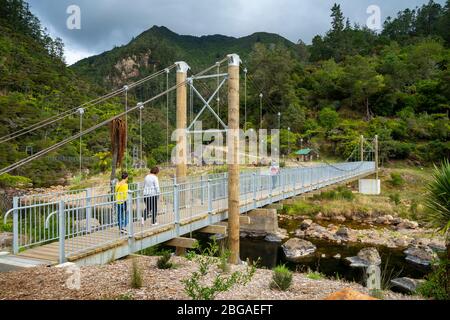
[176, 209]
[362, 148]
[141, 143]
[202, 191]
[233, 157]
[376, 157]
[130, 214]
[254, 191]
[81, 112]
[16, 225]
[126, 88]
[260, 111]
[210, 200]
[62, 232]
[88, 209]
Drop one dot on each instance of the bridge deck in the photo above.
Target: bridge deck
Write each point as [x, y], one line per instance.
[106, 235]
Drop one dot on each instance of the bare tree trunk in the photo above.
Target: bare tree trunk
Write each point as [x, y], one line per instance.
[369, 115]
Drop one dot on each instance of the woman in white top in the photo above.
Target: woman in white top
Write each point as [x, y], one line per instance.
[151, 195]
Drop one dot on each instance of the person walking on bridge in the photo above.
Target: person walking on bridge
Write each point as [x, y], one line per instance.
[151, 195]
[274, 172]
[121, 198]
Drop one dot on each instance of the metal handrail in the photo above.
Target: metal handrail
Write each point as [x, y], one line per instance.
[47, 220]
[7, 214]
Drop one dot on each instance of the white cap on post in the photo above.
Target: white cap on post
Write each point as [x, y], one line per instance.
[234, 60]
[182, 67]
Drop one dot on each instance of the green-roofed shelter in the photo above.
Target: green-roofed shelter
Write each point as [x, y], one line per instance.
[305, 154]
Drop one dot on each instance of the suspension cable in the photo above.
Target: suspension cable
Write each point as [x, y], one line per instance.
[65, 114]
[77, 136]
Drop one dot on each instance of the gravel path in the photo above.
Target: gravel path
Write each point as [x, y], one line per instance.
[113, 282]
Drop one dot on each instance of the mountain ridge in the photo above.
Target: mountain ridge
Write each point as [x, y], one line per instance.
[159, 47]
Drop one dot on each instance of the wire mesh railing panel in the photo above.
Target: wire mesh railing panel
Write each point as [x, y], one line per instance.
[91, 220]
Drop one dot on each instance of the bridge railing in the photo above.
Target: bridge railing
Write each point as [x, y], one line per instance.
[81, 223]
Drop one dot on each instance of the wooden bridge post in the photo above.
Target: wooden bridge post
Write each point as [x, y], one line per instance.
[181, 148]
[233, 157]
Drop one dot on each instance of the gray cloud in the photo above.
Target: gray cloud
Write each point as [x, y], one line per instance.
[106, 23]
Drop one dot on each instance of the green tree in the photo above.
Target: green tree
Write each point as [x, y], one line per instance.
[338, 19]
[363, 80]
[328, 118]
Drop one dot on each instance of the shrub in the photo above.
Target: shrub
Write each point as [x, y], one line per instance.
[302, 208]
[163, 262]
[136, 275]
[396, 180]
[395, 197]
[9, 181]
[315, 275]
[345, 193]
[282, 278]
[435, 285]
[197, 289]
[223, 261]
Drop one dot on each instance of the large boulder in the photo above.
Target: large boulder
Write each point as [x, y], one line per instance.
[365, 258]
[306, 224]
[339, 219]
[279, 236]
[406, 285]
[6, 240]
[295, 249]
[406, 224]
[300, 233]
[387, 219]
[346, 234]
[421, 255]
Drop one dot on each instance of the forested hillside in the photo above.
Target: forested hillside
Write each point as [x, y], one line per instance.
[36, 84]
[353, 81]
[348, 82]
[159, 47]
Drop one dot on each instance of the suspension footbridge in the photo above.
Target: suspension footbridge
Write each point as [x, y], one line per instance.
[81, 226]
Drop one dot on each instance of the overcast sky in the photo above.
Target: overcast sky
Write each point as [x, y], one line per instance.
[106, 23]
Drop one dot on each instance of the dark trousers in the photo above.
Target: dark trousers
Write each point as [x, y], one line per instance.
[122, 215]
[151, 207]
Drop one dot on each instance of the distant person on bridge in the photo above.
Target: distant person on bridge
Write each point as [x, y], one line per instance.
[121, 198]
[274, 172]
[151, 194]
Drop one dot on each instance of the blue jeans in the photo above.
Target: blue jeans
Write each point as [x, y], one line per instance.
[274, 181]
[122, 215]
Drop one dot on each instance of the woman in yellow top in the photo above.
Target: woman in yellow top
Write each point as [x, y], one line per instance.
[121, 199]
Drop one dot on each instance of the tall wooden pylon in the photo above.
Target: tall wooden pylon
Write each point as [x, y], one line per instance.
[233, 157]
[181, 151]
